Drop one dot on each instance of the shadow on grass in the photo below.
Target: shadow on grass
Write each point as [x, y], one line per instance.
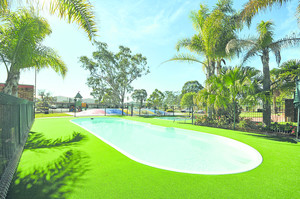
[55, 180]
[37, 141]
[274, 138]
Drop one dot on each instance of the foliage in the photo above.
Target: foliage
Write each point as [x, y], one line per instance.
[22, 34]
[277, 127]
[253, 7]
[262, 45]
[246, 124]
[235, 85]
[171, 98]
[214, 29]
[155, 99]
[139, 95]
[78, 11]
[285, 75]
[191, 86]
[114, 72]
[45, 101]
[187, 99]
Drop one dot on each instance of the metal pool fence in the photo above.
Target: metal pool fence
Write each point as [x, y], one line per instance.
[16, 119]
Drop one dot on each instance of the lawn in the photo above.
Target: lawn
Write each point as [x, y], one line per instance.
[39, 115]
[82, 166]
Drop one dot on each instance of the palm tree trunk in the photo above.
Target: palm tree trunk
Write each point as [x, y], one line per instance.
[266, 88]
[210, 71]
[11, 84]
[219, 67]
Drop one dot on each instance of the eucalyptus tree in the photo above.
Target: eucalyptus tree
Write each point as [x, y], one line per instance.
[78, 11]
[115, 71]
[252, 7]
[262, 46]
[191, 86]
[172, 98]
[139, 95]
[21, 37]
[187, 99]
[156, 99]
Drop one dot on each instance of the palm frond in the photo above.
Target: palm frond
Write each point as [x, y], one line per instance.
[275, 48]
[250, 53]
[4, 5]
[254, 6]
[198, 18]
[46, 57]
[78, 11]
[183, 43]
[289, 41]
[237, 45]
[185, 58]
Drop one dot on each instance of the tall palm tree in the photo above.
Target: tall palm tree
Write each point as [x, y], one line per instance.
[78, 11]
[21, 47]
[214, 30]
[255, 6]
[262, 46]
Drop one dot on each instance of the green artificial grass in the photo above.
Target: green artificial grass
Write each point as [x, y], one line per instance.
[62, 160]
[39, 115]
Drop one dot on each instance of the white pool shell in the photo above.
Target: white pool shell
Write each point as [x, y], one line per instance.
[255, 155]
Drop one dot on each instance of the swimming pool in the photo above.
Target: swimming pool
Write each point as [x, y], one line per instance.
[173, 149]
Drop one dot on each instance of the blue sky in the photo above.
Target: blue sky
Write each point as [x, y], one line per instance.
[150, 27]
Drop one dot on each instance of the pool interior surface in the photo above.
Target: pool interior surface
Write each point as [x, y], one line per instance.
[172, 148]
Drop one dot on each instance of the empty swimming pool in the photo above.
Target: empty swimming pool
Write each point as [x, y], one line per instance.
[172, 148]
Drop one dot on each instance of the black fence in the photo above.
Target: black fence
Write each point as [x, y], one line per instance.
[16, 119]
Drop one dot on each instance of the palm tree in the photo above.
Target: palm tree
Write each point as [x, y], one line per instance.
[233, 86]
[255, 6]
[78, 11]
[262, 46]
[214, 30]
[21, 47]
[284, 77]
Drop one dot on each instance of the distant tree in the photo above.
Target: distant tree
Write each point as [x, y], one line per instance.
[45, 100]
[115, 71]
[187, 99]
[191, 86]
[172, 98]
[156, 99]
[139, 95]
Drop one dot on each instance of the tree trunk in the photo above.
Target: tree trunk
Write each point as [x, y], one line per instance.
[140, 107]
[122, 106]
[209, 72]
[219, 67]
[266, 88]
[11, 84]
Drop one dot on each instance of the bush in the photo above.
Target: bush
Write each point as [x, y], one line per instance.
[247, 124]
[169, 110]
